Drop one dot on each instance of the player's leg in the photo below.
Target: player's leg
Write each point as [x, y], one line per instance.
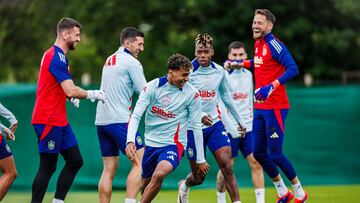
[73, 162]
[192, 178]
[261, 152]
[49, 142]
[110, 165]
[257, 175]
[221, 190]
[7, 168]
[168, 160]
[108, 137]
[219, 145]
[133, 181]
[275, 131]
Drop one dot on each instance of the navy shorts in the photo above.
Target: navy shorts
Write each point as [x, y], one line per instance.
[215, 137]
[112, 138]
[245, 145]
[4, 148]
[153, 155]
[54, 139]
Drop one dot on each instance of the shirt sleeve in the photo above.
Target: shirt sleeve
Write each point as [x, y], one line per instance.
[136, 74]
[225, 93]
[195, 115]
[7, 114]
[281, 54]
[140, 107]
[59, 69]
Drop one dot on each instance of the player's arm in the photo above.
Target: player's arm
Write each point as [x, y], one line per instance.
[280, 53]
[136, 73]
[9, 134]
[195, 117]
[140, 107]
[225, 95]
[10, 117]
[228, 122]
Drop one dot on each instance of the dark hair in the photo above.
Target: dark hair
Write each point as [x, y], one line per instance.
[178, 61]
[67, 23]
[204, 40]
[130, 33]
[236, 45]
[269, 16]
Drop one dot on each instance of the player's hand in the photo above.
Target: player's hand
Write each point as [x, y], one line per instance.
[203, 168]
[9, 135]
[13, 127]
[262, 93]
[96, 95]
[242, 130]
[207, 120]
[130, 151]
[75, 102]
[233, 64]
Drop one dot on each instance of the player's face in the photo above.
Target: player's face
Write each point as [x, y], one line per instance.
[179, 77]
[203, 55]
[72, 37]
[237, 54]
[261, 26]
[136, 46]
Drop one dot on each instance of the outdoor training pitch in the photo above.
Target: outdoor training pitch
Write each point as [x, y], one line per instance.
[318, 194]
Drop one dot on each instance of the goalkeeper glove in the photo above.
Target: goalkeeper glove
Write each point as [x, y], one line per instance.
[262, 93]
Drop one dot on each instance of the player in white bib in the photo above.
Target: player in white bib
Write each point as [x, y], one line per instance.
[241, 82]
[212, 82]
[122, 75]
[172, 105]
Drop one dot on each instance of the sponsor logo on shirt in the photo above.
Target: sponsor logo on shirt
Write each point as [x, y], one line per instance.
[240, 96]
[207, 94]
[258, 61]
[162, 113]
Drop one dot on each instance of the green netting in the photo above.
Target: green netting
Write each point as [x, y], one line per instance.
[322, 139]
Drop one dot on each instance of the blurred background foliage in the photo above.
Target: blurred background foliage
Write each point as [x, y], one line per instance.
[323, 36]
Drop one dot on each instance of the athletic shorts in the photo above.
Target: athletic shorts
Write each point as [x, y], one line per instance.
[153, 156]
[4, 148]
[245, 145]
[54, 139]
[215, 137]
[112, 138]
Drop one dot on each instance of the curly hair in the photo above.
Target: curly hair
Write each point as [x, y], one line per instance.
[204, 41]
[179, 61]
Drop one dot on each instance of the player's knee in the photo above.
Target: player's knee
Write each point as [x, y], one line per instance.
[277, 157]
[76, 163]
[158, 176]
[227, 170]
[259, 156]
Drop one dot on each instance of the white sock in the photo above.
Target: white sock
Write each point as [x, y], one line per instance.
[299, 192]
[184, 188]
[280, 188]
[237, 202]
[260, 195]
[130, 200]
[57, 201]
[221, 197]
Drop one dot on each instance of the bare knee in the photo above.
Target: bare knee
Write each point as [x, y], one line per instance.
[227, 169]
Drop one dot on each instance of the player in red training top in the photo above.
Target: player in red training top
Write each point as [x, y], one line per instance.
[273, 67]
[49, 116]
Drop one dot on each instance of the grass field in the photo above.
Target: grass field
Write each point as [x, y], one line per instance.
[318, 194]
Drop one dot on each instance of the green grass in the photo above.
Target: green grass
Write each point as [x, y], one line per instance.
[318, 194]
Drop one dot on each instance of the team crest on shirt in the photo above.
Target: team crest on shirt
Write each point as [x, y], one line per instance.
[7, 148]
[264, 51]
[51, 145]
[139, 140]
[166, 100]
[190, 152]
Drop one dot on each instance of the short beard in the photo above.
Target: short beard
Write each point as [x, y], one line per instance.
[71, 46]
